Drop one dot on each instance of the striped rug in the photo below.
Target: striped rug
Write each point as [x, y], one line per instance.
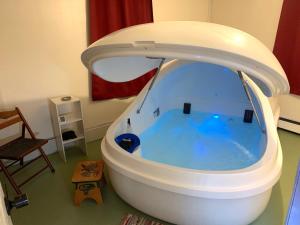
[130, 219]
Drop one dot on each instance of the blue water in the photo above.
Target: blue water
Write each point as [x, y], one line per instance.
[203, 141]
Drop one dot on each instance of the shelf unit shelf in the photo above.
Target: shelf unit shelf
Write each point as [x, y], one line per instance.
[73, 140]
[70, 121]
[67, 116]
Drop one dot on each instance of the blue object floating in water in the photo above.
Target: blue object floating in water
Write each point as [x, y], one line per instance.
[293, 217]
[128, 141]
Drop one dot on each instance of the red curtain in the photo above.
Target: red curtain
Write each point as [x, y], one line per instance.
[106, 16]
[287, 44]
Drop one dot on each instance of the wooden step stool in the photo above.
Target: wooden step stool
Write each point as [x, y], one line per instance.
[88, 177]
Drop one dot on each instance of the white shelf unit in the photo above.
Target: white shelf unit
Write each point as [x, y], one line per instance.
[67, 116]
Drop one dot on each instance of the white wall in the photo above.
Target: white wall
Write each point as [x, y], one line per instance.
[35, 63]
[40, 47]
[40, 44]
[257, 17]
[166, 10]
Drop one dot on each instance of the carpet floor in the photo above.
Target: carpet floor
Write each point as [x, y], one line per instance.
[51, 195]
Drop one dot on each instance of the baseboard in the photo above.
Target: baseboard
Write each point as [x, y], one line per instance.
[290, 125]
[97, 132]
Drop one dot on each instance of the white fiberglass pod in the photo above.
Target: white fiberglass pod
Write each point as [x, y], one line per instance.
[209, 166]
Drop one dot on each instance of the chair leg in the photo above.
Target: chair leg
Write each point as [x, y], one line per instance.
[47, 160]
[10, 179]
[22, 162]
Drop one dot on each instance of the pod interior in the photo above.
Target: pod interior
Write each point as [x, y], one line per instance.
[213, 136]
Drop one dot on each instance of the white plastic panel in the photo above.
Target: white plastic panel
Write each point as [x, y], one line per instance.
[122, 69]
[188, 40]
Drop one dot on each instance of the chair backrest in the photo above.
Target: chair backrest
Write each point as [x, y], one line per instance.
[9, 118]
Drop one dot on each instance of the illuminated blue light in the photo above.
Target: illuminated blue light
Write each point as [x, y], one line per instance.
[216, 116]
[201, 142]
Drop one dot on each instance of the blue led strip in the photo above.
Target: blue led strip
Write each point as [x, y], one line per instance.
[293, 216]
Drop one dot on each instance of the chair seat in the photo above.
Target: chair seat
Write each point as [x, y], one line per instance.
[20, 147]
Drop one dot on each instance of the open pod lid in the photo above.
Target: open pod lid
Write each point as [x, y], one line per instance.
[131, 52]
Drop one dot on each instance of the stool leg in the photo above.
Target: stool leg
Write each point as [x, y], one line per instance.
[93, 193]
[104, 180]
[77, 197]
[97, 196]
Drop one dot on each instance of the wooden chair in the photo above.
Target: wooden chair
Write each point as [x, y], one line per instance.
[19, 147]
